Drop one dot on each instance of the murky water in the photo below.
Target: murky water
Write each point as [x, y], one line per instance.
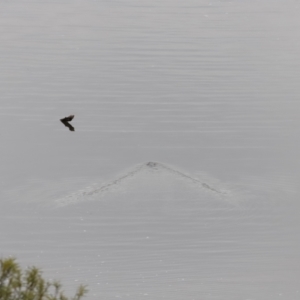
[209, 90]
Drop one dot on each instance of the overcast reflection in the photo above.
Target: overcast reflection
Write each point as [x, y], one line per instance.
[181, 180]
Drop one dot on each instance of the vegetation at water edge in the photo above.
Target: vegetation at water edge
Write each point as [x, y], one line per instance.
[28, 284]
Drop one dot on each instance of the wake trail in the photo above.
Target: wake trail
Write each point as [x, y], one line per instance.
[154, 168]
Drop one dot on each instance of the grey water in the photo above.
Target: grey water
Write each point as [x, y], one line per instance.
[181, 179]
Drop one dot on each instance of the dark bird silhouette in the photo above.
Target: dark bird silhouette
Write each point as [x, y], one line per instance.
[66, 121]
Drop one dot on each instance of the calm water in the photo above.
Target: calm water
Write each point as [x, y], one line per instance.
[207, 88]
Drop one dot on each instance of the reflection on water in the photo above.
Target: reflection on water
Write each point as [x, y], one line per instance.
[209, 87]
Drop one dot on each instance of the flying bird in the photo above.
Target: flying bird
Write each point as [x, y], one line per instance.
[66, 121]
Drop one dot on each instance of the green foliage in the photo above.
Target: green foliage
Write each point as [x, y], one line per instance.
[16, 284]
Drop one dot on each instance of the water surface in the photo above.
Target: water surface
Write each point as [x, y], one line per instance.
[208, 89]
